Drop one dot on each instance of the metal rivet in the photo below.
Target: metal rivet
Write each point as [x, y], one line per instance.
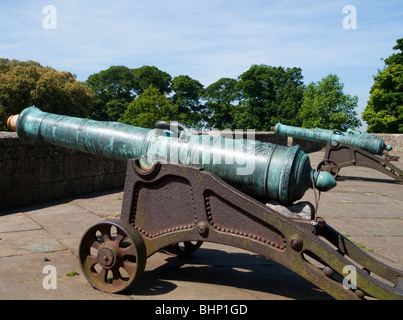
[328, 271]
[360, 294]
[202, 228]
[296, 244]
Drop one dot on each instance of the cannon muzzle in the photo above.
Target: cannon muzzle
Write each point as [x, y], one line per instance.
[264, 170]
[365, 141]
[12, 122]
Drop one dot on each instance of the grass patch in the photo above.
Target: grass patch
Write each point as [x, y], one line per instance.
[360, 245]
[71, 274]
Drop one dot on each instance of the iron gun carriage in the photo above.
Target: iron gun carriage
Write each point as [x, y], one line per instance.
[180, 190]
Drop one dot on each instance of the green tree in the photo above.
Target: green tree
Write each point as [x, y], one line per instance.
[384, 110]
[7, 65]
[24, 84]
[268, 95]
[396, 58]
[146, 76]
[117, 86]
[149, 107]
[222, 97]
[113, 89]
[187, 93]
[326, 106]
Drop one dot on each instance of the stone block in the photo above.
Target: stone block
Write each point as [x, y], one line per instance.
[102, 182]
[83, 185]
[43, 192]
[8, 197]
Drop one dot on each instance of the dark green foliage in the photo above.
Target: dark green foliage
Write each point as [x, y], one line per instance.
[27, 83]
[326, 106]
[384, 110]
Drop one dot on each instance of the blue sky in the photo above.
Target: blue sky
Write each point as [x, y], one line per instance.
[206, 39]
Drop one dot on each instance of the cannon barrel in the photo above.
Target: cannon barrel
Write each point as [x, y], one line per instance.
[362, 140]
[260, 169]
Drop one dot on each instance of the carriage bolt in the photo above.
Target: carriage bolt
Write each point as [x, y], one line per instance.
[296, 244]
[202, 228]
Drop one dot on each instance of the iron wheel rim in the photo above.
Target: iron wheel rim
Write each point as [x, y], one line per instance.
[112, 256]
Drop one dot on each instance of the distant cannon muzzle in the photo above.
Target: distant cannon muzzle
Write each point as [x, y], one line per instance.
[363, 140]
[263, 170]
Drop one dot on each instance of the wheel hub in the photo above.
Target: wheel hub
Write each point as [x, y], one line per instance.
[107, 257]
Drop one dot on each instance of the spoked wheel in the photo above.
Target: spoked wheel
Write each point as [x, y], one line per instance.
[183, 249]
[112, 255]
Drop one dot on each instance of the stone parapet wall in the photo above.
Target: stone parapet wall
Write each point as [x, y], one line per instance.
[35, 172]
[393, 139]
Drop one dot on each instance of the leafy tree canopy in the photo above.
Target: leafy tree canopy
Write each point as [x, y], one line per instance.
[187, 93]
[113, 90]
[24, 84]
[117, 86]
[384, 110]
[268, 95]
[146, 76]
[148, 108]
[222, 97]
[257, 99]
[326, 106]
[396, 58]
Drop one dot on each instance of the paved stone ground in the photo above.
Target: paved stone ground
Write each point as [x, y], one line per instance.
[366, 206]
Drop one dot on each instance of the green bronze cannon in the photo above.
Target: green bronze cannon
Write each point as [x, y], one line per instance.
[183, 189]
[262, 169]
[348, 148]
[362, 140]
